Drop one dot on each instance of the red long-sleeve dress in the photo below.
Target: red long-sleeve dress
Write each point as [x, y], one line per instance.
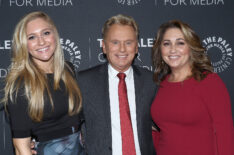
[194, 118]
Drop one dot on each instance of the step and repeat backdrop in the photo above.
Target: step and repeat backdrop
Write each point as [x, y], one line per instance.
[80, 21]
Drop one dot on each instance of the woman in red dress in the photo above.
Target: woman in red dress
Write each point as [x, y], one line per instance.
[192, 107]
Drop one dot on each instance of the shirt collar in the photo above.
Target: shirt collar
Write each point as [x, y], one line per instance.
[113, 73]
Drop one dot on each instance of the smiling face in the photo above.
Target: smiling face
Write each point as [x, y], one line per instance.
[120, 46]
[41, 42]
[175, 50]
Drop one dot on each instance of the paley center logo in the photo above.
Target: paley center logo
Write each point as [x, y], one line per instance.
[128, 2]
[71, 50]
[219, 51]
[31, 3]
[5, 46]
[3, 72]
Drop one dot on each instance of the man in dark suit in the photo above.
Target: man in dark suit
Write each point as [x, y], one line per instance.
[101, 105]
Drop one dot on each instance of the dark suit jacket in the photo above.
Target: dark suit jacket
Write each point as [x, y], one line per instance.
[96, 109]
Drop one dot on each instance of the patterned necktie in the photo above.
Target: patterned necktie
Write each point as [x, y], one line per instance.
[128, 145]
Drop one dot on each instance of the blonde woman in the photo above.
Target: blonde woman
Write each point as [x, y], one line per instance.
[41, 94]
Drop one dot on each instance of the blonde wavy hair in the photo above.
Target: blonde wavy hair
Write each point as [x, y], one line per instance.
[200, 63]
[25, 74]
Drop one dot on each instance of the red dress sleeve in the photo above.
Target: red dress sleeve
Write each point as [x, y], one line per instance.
[217, 102]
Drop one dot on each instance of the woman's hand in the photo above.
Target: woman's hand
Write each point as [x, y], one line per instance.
[154, 128]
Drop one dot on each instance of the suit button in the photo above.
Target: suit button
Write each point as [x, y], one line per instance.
[110, 148]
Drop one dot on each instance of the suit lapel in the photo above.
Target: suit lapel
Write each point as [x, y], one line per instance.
[139, 84]
[104, 90]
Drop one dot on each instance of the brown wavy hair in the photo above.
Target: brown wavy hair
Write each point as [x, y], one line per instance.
[200, 63]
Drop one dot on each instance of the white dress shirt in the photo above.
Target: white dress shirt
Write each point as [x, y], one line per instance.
[114, 109]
